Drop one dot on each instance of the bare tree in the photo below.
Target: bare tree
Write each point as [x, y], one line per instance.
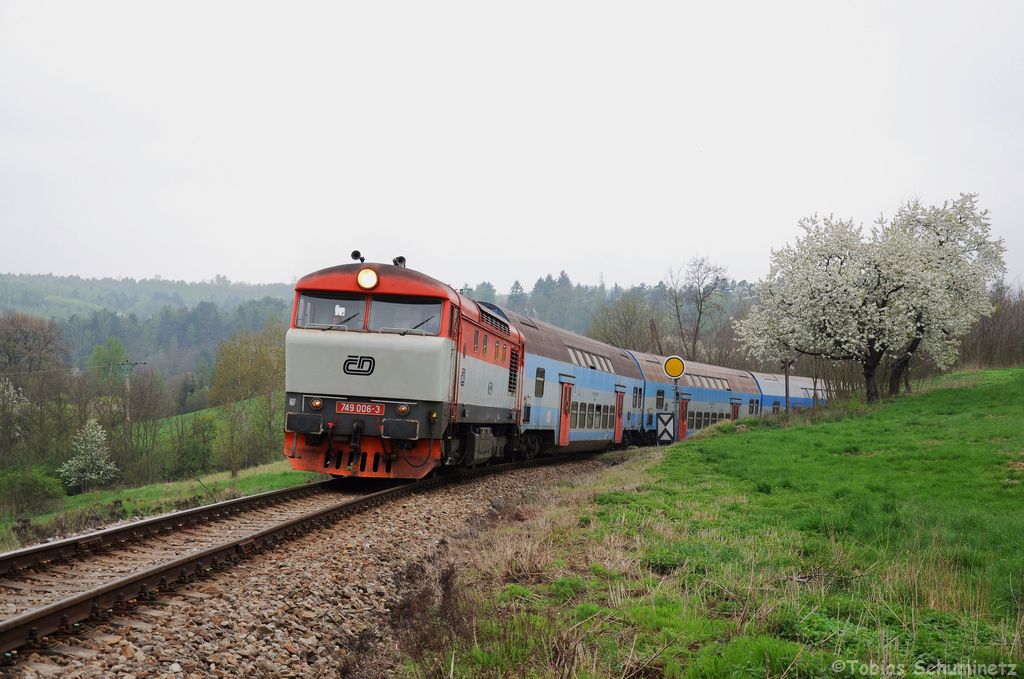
[693, 297]
[626, 322]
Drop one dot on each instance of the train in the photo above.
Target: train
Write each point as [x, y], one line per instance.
[391, 373]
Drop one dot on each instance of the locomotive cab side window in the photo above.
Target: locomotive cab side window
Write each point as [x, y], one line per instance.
[476, 341]
[660, 402]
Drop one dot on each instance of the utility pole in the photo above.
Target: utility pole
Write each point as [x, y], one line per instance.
[127, 367]
[656, 338]
[785, 366]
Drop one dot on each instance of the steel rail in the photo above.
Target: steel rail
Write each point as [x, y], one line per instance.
[63, 617]
[60, 550]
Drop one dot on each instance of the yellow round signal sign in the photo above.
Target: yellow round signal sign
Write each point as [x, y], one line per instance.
[674, 367]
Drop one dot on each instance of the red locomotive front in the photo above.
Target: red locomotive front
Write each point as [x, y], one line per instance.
[378, 382]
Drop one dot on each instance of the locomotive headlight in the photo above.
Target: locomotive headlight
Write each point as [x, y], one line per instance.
[367, 279]
[403, 409]
[316, 403]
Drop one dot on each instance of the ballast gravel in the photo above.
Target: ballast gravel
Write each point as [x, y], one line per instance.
[320, 605]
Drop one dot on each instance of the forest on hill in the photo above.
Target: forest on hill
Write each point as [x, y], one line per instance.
[61, 297]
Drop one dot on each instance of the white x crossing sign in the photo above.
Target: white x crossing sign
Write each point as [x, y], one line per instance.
[666, 428]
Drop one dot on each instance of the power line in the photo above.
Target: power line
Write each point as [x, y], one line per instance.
[125, 365]
[33, 372]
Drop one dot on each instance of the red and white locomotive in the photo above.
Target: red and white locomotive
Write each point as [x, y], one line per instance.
[378, 382]
[391, 373]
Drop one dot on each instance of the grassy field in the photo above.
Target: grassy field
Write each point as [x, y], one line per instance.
[848, 542]
[96, 508]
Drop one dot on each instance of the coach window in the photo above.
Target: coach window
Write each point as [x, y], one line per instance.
[750, 407]
[707, 419]
[590, 416]
[476, 341]
[775, 406]
[538, 390]
[574, 415]
[689, 420]
[660, 402]
[607, 417]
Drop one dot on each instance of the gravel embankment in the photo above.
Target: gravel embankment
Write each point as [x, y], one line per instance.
[326, 604]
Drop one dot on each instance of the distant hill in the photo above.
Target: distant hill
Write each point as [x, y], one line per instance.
[61, 297]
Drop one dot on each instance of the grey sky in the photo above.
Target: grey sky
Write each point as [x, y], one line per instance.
[490, 141]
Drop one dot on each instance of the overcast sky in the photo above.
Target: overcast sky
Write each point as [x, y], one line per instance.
[490, 141]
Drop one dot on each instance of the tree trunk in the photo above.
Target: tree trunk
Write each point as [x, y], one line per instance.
[901, 367]
[870, 368]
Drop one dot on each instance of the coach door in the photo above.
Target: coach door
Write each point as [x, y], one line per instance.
[681, 425]
[563, 420]
[618, 416]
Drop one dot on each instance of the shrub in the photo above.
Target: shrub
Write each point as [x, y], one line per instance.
[91, 464]
[25, 490]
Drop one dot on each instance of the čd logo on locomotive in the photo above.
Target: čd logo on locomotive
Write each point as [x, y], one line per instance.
[359, 365]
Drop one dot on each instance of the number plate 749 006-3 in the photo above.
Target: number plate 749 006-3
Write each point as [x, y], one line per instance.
[354, 408]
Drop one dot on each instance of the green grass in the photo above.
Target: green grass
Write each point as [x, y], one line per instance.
[887, 534]
[92, 509]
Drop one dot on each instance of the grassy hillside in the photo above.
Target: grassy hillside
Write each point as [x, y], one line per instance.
[813, 546]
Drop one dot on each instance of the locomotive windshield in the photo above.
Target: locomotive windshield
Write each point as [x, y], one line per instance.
[405, 315]
[331, 312]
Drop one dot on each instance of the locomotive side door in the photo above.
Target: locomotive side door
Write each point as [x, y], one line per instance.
[618, 416]
[563, 420]
[458, 353]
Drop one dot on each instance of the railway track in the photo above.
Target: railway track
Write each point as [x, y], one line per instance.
[51, 589]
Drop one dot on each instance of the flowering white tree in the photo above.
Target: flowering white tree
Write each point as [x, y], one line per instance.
[91, 463]
[12, 412]
[954, 260]
[918, 282]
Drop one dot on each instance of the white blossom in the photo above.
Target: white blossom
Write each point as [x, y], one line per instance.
[12, 410]
[915, 283]
[91, 463]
